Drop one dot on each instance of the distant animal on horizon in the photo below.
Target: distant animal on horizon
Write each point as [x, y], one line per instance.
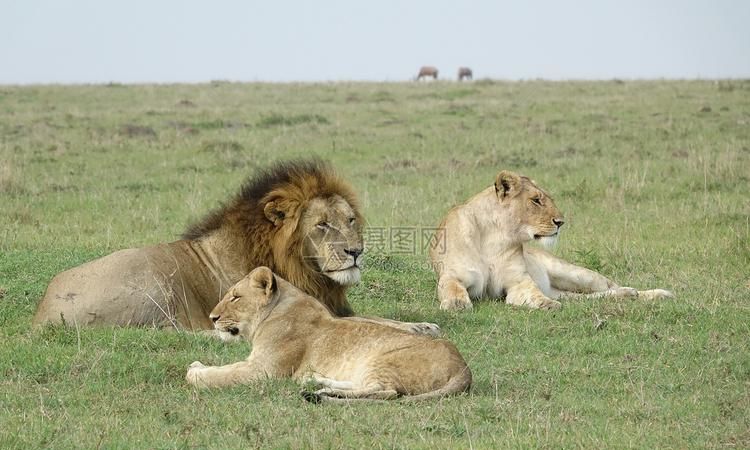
[465, 73]
[484, 252]
[427, 71]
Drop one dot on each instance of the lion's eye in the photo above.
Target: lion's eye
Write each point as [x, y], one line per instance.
[234, 298]
[322, 225]
[537, 201]
[352, 220]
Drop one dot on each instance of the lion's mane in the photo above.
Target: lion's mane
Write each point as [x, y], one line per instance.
[292, 184]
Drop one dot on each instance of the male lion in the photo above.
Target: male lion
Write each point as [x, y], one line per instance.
[485, 252]
[297, 217]
[294, 335]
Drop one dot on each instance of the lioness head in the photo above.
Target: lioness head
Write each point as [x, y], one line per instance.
[535, 215]
[243, 306]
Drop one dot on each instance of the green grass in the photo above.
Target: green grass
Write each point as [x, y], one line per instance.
[654, 185]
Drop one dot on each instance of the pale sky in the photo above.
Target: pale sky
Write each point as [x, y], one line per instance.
[80, 41]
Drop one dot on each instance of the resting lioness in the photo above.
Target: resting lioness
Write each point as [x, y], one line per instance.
[293, 334]
[484, 252]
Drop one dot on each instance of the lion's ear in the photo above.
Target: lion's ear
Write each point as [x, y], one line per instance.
[274, 213]
[507, 183]
[263, 278]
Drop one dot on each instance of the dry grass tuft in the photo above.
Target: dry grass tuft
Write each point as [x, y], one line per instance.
[9, 183]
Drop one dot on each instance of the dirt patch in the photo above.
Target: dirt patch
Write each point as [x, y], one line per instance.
[516, 158]
[185, 103]
[459, 110]
[136, 131]
[454, 163]
[183, 127]
[567, 151]
[138, 186]
[188, 130]
[400, 164]
[273, 120]
[389, 122]
[680, 153]
[217, 124]
[222, 146]
[54, 187]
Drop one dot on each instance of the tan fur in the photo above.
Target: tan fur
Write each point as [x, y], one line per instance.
[294, 336]
[485, 252]
[299, 218]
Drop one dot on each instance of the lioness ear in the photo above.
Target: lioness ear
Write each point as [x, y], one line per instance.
[507, 183]
[264, 278]
[274, 213]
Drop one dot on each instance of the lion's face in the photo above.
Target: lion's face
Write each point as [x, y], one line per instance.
[333, 239]
[238, 313]
[533, 210]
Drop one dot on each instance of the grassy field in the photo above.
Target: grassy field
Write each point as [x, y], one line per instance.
[653, 177]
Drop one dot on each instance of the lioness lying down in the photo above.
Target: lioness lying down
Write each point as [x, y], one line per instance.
[293, 334]
[486, 252]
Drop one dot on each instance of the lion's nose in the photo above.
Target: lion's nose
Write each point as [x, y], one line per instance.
[214, 318]
[354, 252]
[558, 222]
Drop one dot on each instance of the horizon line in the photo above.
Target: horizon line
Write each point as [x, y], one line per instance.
[114, 83]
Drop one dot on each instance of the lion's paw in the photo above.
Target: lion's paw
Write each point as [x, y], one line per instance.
[655, 294]
[548, 304]
[193, 375]
[429, 329]
[622, 292]
[455, 304]
[196, 365]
